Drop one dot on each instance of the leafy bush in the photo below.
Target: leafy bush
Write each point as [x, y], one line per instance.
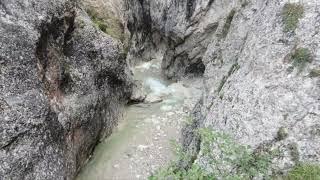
[291, 13]
[219, 151]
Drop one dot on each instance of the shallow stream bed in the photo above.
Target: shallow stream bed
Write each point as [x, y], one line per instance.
[142, 141]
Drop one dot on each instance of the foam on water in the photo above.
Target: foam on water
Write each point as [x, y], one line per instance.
[156, 86]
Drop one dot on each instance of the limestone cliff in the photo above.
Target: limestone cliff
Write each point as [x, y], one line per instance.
[63, 83]
[260, 61]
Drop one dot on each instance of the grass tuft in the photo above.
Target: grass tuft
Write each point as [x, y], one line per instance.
[291, 13]
[300, 58]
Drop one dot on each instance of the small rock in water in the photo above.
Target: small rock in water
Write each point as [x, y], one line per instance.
[151, 98]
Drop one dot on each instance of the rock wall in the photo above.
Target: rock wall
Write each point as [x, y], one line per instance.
[260, 61]
[63, 83]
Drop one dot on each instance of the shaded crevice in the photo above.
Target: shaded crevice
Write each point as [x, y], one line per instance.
[227, 24]
[210, 3]
[191, 140]
[53, 48]
[70, 21]
[191, 5]
[196, 69]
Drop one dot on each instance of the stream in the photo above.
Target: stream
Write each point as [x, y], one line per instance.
[141, 143]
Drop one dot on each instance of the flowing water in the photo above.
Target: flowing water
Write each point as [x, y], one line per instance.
[141, 142]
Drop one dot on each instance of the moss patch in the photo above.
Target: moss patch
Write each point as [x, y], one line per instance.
[109, 25]
[291, 13]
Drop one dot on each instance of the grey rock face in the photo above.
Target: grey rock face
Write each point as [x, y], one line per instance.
[253, 87]
[162, 27]
[62, 86]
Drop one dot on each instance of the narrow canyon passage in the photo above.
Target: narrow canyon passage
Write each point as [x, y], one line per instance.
[88, 89]
[142, 142]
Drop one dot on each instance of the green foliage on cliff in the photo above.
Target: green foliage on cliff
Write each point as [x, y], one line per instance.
[291, 13]
[221, 157]
[173, 171]
[304, 172]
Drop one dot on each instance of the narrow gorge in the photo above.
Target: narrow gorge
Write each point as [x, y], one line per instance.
[159, 89]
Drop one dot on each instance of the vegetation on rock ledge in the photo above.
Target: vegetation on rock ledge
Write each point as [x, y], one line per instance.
[109, 25]
[221, 157]
[291, 13]
[300, 58]
[304, 172]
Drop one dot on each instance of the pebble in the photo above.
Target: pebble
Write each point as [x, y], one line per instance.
[142, 147]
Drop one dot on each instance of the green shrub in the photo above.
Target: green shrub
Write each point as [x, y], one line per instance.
[291, 13]
[300, 58]
[219, 151]
[304, 172]
[314, 73]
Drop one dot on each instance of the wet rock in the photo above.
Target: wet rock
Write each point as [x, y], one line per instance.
[138, 93]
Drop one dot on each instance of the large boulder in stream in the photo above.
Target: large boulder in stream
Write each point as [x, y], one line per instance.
[63, 83]
[260, 61]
